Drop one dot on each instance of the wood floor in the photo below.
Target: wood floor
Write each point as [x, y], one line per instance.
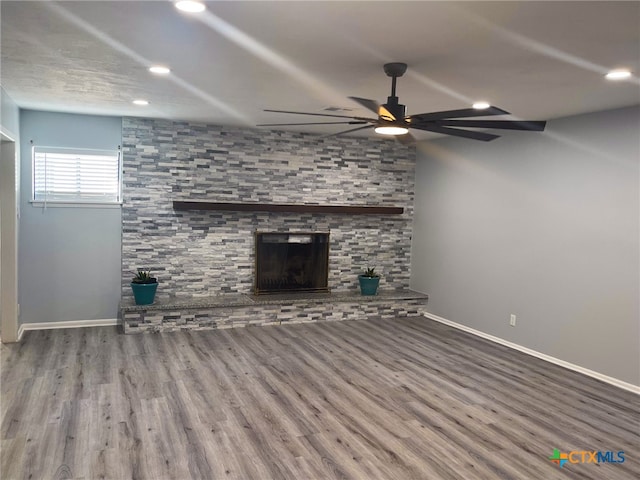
[370, 399]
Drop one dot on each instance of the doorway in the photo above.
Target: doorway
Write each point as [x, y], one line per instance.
[9, 215]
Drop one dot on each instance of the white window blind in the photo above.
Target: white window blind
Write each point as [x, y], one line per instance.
[76, 175]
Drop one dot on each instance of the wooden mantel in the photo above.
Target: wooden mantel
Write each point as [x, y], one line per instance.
[287, 208]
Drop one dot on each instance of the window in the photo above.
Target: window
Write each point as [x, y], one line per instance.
[70, 175]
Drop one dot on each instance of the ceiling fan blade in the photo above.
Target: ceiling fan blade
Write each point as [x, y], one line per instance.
[465, 112]
[406, 139]
[323, 115]
[347, 131]
[386, 114]
[535, 126]
[353, 122]
[374, 107]
[366, 103]
[485, 137]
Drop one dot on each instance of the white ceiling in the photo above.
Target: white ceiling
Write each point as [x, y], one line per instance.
[538, 60]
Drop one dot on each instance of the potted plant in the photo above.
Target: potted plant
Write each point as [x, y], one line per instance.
[144, 287]
[369, 281]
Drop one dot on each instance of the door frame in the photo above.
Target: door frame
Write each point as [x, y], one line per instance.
[9, 218]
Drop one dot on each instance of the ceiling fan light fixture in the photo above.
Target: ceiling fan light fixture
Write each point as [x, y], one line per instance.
[618, 74]
[481, 105]
[391, 130]
[190, 6]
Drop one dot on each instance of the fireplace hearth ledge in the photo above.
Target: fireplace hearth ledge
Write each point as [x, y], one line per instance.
[241, 310]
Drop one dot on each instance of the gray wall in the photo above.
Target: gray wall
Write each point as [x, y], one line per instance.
[69, 259]
[208, 253]
[545, 226]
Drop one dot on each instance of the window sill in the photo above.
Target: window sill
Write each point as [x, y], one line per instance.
[58, 204]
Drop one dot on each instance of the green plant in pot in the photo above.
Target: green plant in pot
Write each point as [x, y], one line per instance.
[144, 287]
[369, 281]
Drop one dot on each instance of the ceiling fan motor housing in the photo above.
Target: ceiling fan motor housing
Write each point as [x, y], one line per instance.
[396, 109]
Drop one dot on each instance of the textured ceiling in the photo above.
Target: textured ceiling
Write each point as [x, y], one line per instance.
[538, 60]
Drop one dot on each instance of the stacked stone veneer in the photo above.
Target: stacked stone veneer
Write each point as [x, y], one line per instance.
[204, 253]
[192, 317]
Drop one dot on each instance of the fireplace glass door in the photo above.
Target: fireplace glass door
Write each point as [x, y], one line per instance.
[291, 262]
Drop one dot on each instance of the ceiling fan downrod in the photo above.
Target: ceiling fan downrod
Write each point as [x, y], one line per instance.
[395, 70]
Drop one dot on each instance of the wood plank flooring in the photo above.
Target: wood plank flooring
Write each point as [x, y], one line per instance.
[367, 399]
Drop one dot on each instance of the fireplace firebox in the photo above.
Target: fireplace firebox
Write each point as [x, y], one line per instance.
[291, 262]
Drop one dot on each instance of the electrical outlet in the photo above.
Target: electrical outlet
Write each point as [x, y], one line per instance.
[512, 320]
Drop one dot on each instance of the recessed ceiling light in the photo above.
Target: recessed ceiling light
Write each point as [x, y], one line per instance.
[481, 105]
[391, 130]
[190, 6]
[141, 102]
[159, 69]
[618, 74]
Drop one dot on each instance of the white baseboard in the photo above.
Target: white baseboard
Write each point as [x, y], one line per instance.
[571, 366]
[103, 322]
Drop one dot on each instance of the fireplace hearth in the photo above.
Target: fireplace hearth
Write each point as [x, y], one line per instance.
[291, 262]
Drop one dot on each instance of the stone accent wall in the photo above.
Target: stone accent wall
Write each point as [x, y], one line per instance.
[199, 253]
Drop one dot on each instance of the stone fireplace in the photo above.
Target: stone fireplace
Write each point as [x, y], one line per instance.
[205, 259]
[291, 262]
[204, 253]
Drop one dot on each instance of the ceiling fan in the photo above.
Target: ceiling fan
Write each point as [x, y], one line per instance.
[392, 118]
